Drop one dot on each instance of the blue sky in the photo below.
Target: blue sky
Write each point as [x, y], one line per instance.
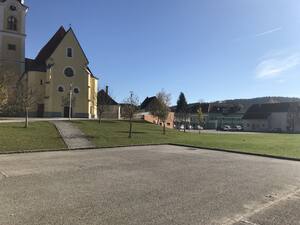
[208, 49]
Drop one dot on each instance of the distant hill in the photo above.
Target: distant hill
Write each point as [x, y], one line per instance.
[243, 104]
[246, 103]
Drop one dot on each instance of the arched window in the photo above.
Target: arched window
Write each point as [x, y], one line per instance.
[69, 72]
[76, 90]
[12, 23]
[60, 89]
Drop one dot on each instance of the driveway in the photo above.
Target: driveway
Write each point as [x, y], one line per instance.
[155, 185]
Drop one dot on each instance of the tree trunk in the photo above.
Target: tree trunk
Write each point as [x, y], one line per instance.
[100, 119]
[184, 124]
[26, 118]
[164, 129]
[130, 128]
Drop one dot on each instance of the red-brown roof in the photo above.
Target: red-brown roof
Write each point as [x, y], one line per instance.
[39, 63]
[50, 47]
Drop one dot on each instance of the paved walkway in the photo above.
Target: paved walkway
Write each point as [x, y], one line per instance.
[73, 137]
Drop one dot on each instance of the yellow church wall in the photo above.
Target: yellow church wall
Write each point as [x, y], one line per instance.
[36, 83]
[93, 84]
[16, 55]
[45, 84]
[19, 15]
[58, 100]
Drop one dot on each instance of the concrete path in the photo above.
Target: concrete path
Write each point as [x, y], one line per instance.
[73, 137]
[153, 185]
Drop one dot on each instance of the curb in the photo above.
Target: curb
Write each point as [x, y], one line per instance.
[74, 149]
[171, 144]
[237, 152]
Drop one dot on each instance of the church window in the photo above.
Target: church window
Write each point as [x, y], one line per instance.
[70, 52]
[76, 90]
[12, 47]
[61, 89]
[12, 23]
[69, 72]
[13, 8]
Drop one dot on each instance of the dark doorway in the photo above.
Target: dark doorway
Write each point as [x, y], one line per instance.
[40, 110]
[66, 112]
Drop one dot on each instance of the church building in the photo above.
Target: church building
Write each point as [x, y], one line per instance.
[58, 77]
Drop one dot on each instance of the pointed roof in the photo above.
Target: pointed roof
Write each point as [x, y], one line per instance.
[263, 111]
[50, 47]
[105, 99]
[148, 103]
[39, 63]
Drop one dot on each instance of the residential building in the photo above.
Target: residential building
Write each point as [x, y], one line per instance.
[145, 113]
[110, 108]
[273, 117]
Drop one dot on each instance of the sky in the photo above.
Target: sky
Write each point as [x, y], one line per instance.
[208, 49]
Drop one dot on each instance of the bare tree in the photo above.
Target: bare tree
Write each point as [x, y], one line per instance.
[162, 109]
[26, 99]
[3, 94]
[5, 80]
[130, 108]
[200, 118]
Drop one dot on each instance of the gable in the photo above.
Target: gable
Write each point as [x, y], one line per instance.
[70, 41]
[51, 46]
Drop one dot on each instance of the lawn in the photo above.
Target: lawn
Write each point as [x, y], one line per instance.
[114, 133]
[39, 136]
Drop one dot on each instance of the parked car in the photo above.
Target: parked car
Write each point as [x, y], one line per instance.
[200, 127]
[227, 128]
[277, 130]
[237, 128]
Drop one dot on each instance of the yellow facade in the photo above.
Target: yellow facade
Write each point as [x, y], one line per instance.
[12, 42]
[52, 102]
[45, 76]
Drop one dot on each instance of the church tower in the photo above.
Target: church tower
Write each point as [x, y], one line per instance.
[12, 41]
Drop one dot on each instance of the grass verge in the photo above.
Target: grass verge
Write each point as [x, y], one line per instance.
[39, 136]
[114, 133]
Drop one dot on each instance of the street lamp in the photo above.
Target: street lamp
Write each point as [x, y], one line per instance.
[70, 102]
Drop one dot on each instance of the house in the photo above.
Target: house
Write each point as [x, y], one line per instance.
[58, 77]
[111, 109]
[273, 117]
[145, 113]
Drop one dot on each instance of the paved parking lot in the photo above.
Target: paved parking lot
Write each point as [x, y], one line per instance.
[161, 185]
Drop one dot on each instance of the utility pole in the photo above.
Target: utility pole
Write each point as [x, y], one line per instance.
[70, 104]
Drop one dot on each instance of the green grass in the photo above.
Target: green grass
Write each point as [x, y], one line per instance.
[114, 133]
[40, 135]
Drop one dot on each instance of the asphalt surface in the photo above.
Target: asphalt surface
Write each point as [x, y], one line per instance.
[161, 185]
